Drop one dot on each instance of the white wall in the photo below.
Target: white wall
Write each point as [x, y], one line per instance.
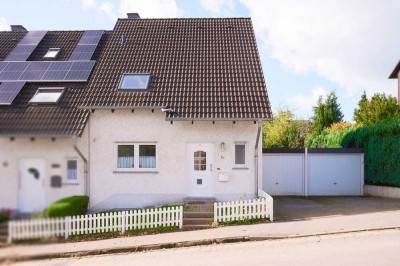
[54, 152]
[110, 189]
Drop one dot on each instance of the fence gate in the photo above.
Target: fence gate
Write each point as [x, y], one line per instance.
[313, 172]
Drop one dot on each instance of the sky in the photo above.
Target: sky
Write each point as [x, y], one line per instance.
[307, 47]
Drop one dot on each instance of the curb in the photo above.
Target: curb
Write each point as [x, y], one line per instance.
[182, 244]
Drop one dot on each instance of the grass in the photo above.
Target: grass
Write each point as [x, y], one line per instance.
[244, 221]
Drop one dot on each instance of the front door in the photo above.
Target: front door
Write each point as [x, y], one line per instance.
[31, 190]
[200, 164]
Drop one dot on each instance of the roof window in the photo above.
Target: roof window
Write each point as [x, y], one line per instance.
[51, 54]
[134, 82]
[47, 95]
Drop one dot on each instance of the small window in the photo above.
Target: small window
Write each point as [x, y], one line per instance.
[47, 96]
[240, 154]
[134, 82]
[145, 159]
[200, 160]
[72, 171]
[52, 53]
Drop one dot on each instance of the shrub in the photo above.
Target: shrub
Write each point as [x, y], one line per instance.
[74, 205]
[5, 215]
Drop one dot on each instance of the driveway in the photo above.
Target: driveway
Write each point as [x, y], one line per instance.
[304, 208]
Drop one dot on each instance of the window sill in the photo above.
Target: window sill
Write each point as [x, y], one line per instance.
[70, 183]
[136, 171]
[240, 168]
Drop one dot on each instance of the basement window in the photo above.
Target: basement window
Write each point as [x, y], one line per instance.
[47, 96]
[51, 54]
[134, 82]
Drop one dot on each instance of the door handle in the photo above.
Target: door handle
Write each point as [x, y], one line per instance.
[211, 167]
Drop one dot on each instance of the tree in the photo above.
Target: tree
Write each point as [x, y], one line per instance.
[326, 113]
[379, 107]
[285, 132]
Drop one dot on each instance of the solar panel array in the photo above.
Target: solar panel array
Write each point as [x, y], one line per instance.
[87, 45]
[44, 71]
[9, 90]
[26, 46]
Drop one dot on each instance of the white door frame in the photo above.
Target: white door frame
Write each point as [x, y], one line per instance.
[207, 192]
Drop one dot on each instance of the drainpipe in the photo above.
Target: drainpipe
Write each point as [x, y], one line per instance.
[85, 165]
[256, 154]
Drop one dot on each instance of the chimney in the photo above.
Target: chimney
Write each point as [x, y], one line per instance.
[133, 15]
[17, 28]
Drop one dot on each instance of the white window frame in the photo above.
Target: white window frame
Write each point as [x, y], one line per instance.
[69, 181]
[136, 157]
[40, 90]
[134, 89]
[241, 166]
[51, 50]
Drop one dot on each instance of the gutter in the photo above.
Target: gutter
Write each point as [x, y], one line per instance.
[85, 165]
[259, 122]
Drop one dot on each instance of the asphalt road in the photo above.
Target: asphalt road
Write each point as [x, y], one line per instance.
[365, 248]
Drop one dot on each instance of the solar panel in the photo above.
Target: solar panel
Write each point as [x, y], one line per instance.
[26, 46]
[87, 45]
[10, 90]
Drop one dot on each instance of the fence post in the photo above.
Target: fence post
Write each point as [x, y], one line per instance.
[180, 217]
[123, 222]
[306, 172]
[215, 212]
[9, 237]
[67, 225]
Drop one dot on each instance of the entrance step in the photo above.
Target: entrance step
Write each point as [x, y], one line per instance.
[196, 226]
[3, 232]
[198, 215]
[197, 200]
[197, 221]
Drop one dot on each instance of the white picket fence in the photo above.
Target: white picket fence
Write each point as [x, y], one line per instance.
[244, 209]
[95, 223]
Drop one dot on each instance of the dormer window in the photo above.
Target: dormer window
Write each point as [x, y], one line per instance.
[134, 82]
[51, 54]
[47, 96]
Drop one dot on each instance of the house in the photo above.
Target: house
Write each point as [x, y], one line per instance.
[152, 112]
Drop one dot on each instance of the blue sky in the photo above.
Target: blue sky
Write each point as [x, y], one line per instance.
[307, 49]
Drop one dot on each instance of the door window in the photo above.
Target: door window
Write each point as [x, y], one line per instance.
[200, 159]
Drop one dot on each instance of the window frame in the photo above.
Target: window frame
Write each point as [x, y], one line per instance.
[136, 157]
[240, 166]
[120, 89]
[44, 89]
[70, 181]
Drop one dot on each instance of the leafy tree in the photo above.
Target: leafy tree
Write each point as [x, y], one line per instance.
[326, 113]
[378, 108]
[285, 132]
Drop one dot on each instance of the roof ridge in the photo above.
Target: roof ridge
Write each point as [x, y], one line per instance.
[200, 18]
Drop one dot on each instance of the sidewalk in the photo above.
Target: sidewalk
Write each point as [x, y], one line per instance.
[276, 230]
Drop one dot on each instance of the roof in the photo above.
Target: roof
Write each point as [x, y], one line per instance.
[204, 69]
[395, 71]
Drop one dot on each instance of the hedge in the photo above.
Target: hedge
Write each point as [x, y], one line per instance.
[74, 205]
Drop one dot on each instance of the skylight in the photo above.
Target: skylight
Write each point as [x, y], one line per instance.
[47, 96]
[134, 82]
[51, 53]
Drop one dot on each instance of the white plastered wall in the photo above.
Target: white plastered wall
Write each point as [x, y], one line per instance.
[111, 189]
[55, 152]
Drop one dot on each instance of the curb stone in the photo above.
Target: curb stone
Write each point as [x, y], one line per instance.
[182, 244]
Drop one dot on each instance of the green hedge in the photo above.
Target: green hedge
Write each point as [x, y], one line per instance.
[74, 205]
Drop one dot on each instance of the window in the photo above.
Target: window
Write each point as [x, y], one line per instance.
[145, 159]
[200, 160]
[52, 53]
[47, 96]
[134, 82]
[240, 154]
[72, 171]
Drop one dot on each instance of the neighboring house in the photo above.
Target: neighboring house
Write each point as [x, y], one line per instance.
[172, 109]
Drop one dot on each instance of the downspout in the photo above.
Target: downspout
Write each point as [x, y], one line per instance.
[85, 165]
[256, 154]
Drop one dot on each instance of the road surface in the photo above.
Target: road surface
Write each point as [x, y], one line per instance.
[363, 248]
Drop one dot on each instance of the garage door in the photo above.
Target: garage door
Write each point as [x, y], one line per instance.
[283, 174]
[334, 174]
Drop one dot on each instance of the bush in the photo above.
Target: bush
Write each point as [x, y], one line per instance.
[5, 215]
[74, 205]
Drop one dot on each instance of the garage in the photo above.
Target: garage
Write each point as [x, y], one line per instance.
[313, 172]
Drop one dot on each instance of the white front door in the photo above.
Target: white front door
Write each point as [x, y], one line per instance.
[199, 161]
[31, 190]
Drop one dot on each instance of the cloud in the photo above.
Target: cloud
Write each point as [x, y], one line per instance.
[108, 9]
[88, 4]
[354, 44]
[3, 24]
[150, 9]
[218, 6]
[306, 102]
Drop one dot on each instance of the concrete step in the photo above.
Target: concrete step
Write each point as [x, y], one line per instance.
[198, 215]
[197, 221]
[196, 226]
[197, 200]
